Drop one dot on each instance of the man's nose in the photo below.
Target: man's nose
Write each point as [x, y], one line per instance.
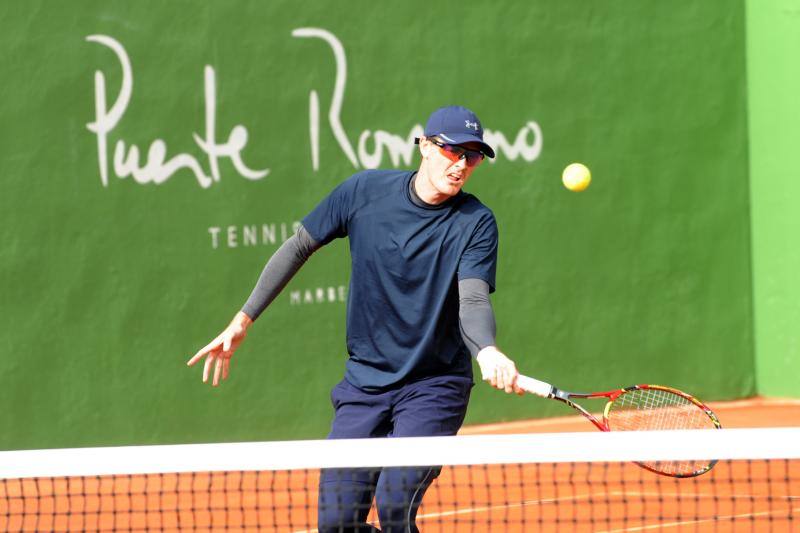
[460, 163]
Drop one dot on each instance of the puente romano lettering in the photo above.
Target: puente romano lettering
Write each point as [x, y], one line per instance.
[156, 166]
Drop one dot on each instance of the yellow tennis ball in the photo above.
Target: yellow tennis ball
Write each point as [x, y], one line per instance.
[576, 177]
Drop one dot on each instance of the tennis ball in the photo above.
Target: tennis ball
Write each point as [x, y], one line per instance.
[576, 177]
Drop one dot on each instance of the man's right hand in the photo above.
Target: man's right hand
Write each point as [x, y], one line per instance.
[498, 370]
[219, 351]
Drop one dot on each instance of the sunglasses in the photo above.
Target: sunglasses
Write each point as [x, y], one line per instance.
[453, 152]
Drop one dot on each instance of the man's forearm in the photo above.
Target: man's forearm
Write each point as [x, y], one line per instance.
[280, 268]
[476, 317]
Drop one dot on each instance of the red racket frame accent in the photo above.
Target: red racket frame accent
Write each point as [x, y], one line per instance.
[565, 397]
[603, 425]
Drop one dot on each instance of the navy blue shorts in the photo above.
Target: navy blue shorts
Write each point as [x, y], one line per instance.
[426, 408]
[429, 407]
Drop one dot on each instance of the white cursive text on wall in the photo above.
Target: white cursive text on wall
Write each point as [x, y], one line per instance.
[156, 168]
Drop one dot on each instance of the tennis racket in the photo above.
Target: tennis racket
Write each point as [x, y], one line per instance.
[641, 408]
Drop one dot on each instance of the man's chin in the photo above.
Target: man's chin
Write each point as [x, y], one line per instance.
[451, 187]
[450, 191]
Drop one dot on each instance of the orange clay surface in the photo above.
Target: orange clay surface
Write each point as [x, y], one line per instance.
[608, 497]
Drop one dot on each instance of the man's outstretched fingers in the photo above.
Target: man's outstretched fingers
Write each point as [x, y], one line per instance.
[218, 370]
[203, 351]
[196, 357]
[207, 367]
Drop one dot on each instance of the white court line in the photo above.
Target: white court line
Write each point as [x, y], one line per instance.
[583, 497]
[701, 521]
[612, 494]
[472, 510]
[701, 495]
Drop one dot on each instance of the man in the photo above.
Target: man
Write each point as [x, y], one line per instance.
[424, 257]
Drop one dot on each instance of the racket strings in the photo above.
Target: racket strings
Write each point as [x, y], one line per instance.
[654, 409]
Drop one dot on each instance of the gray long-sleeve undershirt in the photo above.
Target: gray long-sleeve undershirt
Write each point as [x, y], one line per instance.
[280, 268]
[476, 317]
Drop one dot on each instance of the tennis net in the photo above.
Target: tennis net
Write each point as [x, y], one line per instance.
[540, 482]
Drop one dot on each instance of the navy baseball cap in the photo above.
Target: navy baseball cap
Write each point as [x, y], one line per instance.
[455, 124]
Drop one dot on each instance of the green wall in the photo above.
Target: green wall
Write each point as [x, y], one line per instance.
[773, 45]
[109, 285]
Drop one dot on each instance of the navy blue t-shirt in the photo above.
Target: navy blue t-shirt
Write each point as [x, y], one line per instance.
[402, 309]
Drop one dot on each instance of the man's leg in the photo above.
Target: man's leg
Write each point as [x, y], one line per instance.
[427, 408]
[345, 498]
[345, 495]
[399, 494]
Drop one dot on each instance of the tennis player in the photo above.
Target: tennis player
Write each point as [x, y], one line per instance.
[424, 256]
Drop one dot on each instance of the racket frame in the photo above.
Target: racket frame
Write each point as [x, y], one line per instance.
[540, 388]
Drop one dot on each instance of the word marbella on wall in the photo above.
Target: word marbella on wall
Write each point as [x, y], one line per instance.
[157, 168]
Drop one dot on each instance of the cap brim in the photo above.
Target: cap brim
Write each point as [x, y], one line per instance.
[463, 138]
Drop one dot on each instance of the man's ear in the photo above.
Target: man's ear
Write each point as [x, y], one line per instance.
[424, 146]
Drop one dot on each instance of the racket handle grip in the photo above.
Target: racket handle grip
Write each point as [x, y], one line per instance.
[534, 386]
